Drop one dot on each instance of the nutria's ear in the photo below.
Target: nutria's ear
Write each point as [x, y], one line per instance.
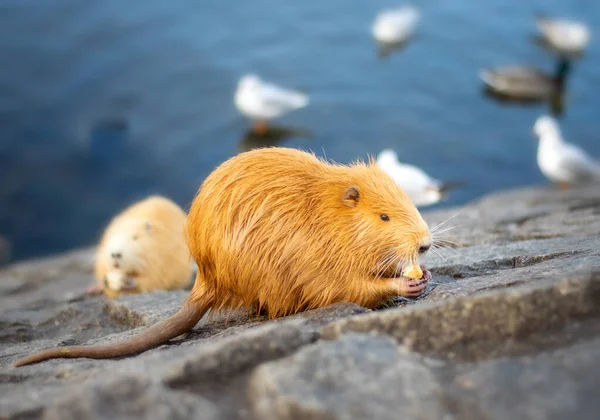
[351, 196]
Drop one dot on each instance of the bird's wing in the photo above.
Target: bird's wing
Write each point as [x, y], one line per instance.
[415, 177]
[578, 163]
[403, 16]
[564, 31]
[504, 77]
[277, 96]
[545, 25]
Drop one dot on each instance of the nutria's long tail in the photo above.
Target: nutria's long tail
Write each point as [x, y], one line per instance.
[184, 320]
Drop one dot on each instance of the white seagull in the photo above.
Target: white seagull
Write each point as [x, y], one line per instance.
[562, 162]
[262, 101]
[563, 35]
[394, 26]
[420, 187]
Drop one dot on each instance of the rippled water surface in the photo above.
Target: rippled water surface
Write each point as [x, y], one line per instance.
[104, 102]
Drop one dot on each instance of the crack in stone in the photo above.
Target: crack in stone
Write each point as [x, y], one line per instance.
[86, 320]
[490, 267]
[587, 205]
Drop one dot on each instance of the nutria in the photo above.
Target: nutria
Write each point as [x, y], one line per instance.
[143, 249]
[281, 231]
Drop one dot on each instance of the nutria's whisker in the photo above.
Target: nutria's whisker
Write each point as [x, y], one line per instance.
[442, 246]
[438, 254]
[443, 243]
[396, 268]
[446, 243]
[450, 246]
[383, 265]
[442, 249]
[394, 274]
[394, 260]
[439, 225]
[391, 259]
[444, 235]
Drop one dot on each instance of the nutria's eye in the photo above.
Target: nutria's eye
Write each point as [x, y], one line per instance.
[385, 217]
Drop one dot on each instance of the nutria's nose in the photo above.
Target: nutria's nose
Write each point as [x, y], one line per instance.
[116, 255]
[424, 248]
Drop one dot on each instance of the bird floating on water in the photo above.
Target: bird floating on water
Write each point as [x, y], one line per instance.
[564, 36]
[563, 163]
[422, 189]
[262, 101]
[525, 83]
[395, 26]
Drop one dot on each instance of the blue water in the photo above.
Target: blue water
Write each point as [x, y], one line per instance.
[105, 102]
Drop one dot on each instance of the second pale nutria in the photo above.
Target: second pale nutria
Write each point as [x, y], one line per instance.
[282, 231]
[143, 248]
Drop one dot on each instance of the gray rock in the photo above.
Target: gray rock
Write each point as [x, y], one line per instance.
[368, 376]
[551, 385]
[219, 371]
[225, 358]
[130, 398]
[509, 328]
[519, 215]
[470, 328]
[356, 377]
[213, 361]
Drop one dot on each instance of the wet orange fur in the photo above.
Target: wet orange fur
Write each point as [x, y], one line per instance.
[277, 230]
[151, 236]
[269, 230]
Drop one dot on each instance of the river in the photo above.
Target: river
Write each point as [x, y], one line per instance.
[105, 102]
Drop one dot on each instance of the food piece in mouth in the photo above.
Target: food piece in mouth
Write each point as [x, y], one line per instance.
[395, 273]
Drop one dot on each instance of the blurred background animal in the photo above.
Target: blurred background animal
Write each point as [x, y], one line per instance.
[561, 162]
[262, 101]
[422, 189]
[143, 249]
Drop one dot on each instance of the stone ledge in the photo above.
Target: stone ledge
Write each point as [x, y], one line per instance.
[511, 329]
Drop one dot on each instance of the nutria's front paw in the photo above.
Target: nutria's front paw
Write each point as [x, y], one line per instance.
[94, 290]
[413, 288]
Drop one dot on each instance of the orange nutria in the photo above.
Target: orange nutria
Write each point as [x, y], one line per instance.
[143, 249]
[282, 231]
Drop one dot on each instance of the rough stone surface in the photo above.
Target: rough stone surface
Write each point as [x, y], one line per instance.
[356, 377]
[510, 328]
[130, 397]
[476, 327]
